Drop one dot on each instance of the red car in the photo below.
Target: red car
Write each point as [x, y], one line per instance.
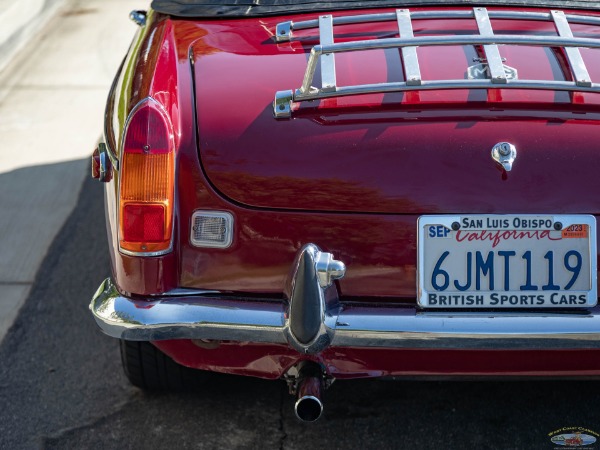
[317, 191]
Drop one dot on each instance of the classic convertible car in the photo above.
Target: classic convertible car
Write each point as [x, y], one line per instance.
[311, 191]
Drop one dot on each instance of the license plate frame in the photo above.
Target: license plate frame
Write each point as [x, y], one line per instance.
[436, 231]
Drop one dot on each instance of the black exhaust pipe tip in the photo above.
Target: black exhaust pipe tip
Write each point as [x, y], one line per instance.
[309, 408]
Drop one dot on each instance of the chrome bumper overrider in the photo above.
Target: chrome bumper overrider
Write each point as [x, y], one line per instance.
[314, 319]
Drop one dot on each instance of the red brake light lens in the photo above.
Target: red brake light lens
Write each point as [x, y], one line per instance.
[143, 223]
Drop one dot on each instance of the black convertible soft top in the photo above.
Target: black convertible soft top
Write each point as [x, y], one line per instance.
[257, 8]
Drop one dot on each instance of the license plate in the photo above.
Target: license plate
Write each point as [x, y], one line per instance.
[507, 261]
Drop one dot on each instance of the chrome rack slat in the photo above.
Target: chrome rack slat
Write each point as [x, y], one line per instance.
[543, 41]
[327, 48]
[385, 88]
[310, 71]
[328, 81]
[580, 72]
[284, 30]
[412, 72]
[492, 53]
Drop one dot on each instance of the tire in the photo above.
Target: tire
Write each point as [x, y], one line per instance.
[148, 368]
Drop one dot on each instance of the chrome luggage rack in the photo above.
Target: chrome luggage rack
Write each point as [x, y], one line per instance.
[499, 76]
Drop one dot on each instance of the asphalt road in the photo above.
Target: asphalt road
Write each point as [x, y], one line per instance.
[61, 386]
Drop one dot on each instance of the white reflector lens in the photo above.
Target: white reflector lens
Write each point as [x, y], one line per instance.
[212, 229]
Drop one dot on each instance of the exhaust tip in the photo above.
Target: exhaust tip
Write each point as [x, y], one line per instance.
[308, 408]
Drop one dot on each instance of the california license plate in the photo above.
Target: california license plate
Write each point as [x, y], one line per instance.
[507, 261]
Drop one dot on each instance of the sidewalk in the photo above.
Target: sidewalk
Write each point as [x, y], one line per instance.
[19, 23]
[52, 98]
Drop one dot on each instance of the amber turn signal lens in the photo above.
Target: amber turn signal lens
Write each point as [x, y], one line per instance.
[147, 182]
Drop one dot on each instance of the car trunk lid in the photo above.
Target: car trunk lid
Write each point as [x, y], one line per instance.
[396, 153]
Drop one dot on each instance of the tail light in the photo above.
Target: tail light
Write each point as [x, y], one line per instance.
[147, 182]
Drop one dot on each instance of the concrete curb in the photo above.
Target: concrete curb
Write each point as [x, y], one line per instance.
[20, 21]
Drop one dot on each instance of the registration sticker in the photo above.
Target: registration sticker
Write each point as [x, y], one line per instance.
[507, 261]
[577, 231]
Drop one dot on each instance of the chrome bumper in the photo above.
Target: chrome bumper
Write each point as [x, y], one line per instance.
[208, 316]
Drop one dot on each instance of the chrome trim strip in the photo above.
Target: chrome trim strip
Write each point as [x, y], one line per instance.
[185, 292]
[109, 104]
[211, 317]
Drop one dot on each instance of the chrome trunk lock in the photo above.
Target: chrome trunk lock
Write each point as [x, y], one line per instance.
[504, 153]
